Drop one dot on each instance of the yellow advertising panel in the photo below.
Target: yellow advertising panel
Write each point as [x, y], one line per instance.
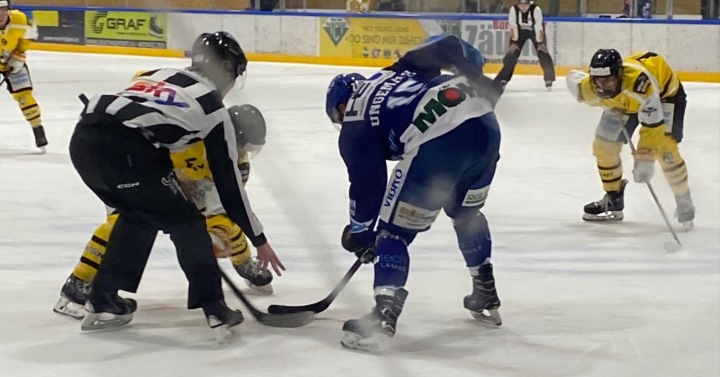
[370, 38]
[134, 29]
[47, 18]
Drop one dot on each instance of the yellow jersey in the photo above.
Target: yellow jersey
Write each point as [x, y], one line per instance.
[647, 80]
[16, 37]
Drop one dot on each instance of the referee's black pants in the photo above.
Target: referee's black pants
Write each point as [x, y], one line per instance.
[511, 58]
[128, 173]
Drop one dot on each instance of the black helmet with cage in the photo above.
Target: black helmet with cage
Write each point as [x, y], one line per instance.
[219, 57]
[606, 70]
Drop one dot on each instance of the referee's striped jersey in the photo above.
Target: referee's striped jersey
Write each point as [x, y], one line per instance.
[174, 108]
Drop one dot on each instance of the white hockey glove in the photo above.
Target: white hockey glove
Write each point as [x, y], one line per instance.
[15, 63]
[644, 165]
[573, 80]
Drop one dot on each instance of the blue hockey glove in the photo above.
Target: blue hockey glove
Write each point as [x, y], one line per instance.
[361, 244]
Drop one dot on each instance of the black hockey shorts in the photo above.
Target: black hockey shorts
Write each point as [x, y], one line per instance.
[128, 173]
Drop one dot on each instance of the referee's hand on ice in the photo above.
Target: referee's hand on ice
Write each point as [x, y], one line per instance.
[266, 255]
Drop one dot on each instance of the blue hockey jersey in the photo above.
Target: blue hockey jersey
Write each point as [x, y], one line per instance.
[395, 111]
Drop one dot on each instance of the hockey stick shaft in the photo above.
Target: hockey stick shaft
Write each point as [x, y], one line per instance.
[654, 195]
[253, 310]
[323, 304]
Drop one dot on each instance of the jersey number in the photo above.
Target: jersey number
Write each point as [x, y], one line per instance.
[355, 107]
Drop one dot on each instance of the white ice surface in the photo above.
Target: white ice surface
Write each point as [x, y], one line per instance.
[579, 299]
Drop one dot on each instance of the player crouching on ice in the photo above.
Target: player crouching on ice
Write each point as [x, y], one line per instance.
[641, 89]
[121, 148]
[229, 241]
[442, 130]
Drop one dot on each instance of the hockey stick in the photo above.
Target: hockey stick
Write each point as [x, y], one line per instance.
[669, 246]
[295, 319]
[323, 304]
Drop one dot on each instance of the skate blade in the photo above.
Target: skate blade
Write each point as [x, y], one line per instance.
[68, 308]
[101, 321]
[605, 216]
[42, 150]
[490, 316]
[224, 334]
[376, 343]
[260, 290]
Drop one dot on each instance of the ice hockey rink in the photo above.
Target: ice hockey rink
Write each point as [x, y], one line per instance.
[578, 298]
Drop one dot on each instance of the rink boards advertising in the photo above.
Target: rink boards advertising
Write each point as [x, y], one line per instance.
[369, 38]
[60, 26]
[372, 40]
[127, 29]
[492, 38]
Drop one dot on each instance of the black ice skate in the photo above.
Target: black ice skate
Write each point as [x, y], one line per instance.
[484, 302]
[373, 331]
[256, 278]
[685, 211]
[222, 320]
[548, 85]
[609, 208]
[40, 139]
[73, 295]
[155, 30]
[105, 311]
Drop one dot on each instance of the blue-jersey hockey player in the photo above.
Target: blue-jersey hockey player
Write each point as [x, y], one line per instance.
[442, 130]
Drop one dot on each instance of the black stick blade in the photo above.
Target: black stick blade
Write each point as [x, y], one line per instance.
[284, 309]
[295, 319]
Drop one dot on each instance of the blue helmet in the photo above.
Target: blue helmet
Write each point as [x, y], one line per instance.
[339, 92]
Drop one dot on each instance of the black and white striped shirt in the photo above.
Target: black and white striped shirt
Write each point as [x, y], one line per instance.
[531, 21]
[174, 108]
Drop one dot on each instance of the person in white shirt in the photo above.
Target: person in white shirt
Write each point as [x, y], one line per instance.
[526, 23]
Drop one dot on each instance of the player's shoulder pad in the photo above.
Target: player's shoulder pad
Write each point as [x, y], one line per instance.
[642, 83]
[18, 18]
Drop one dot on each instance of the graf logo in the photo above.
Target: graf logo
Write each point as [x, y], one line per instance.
[101, 21]
[336, 28]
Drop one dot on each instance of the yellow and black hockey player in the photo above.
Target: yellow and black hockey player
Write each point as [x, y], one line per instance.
[17, 32]
[229, 241]
[641, 89]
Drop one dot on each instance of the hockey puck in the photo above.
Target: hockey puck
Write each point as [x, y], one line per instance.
[672, 246]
